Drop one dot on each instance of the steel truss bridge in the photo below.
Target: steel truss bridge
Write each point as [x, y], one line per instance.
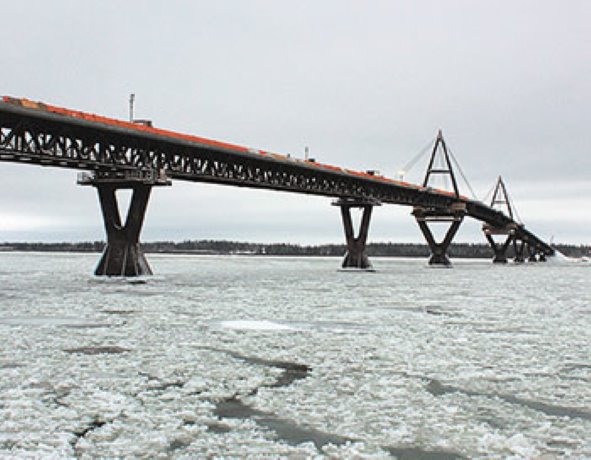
[117, 154]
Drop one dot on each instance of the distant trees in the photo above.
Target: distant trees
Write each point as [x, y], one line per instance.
[461, 250]
[87, 246]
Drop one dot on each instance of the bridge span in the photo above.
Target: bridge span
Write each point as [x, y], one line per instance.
[126, 155]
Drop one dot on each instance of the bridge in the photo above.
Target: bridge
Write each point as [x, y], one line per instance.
[129, 155]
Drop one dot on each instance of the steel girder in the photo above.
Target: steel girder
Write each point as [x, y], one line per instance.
[56, 144]
[35, 137]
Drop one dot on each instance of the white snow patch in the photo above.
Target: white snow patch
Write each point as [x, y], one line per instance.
[561, 259]
[263, 325]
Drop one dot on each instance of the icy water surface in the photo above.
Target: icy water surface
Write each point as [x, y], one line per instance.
[287, 357]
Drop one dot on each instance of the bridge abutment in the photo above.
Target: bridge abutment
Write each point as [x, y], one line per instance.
[454, 216]
[122, 255]
[355, 257]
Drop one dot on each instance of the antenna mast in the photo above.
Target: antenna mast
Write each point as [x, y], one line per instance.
[131, 102]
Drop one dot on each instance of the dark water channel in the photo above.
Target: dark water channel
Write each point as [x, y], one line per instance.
[290, 431]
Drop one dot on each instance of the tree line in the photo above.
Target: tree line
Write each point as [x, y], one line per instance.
[461, 250]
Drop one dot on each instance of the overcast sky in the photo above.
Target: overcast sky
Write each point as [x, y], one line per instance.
[365, 84]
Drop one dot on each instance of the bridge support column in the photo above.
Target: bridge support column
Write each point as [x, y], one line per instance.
[519, 248]
[500, 250]
[355, 256]
[536, 253]
[454, 215]
[123, 255]
[531, 251]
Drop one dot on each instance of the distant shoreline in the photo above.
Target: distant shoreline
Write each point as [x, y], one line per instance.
[216, 247]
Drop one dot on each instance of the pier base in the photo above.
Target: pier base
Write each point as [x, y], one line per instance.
[519, 248]
[531, 250]
[500, 250]
[123, 255]
[355, 256]
[536, 254]
[424, 217]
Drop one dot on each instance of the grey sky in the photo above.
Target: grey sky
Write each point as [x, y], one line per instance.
[365, 84]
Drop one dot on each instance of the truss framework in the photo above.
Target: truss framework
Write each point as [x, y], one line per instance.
[34, 137]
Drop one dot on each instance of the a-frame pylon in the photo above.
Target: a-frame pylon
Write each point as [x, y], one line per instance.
[440, 164]
[500, 198]
[501, 202]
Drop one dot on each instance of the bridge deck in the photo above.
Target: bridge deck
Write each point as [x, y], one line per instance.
[47, 135]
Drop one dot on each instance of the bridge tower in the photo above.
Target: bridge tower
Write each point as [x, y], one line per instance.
[500, 201]
[355, 256]
[440, 165]
[122, 255]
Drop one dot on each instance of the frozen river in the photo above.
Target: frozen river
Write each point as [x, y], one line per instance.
[287, 357]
